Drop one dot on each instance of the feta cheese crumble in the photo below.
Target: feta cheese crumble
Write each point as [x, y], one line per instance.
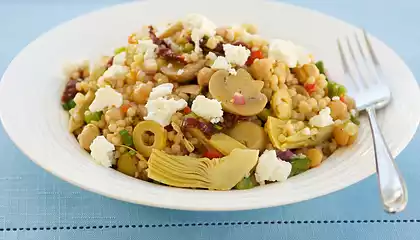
[161, 91]
[106, 97]
[211, 56]
[323, 119]
[335, 98]
[147, 48]
[116, 71]
[288, 52]
[221, 63]
[236, 54]
[200, 26]
[271, 168]
[119, 59]
[102, 151]
[161, 109]
[209, 109]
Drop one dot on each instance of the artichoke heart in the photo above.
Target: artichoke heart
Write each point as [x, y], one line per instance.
[275, 128]
[217, 174]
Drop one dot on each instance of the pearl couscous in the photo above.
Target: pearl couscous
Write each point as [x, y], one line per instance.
[194, 105]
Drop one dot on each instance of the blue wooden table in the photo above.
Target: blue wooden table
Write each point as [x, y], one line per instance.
[36, 205]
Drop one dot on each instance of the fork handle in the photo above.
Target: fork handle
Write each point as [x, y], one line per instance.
[391, 184]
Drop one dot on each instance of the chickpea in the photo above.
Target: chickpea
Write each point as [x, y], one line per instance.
[351, 104]
[203, 76]
[113, 114]
[311, 69]
[88, 134]
[141, 93]
[338, 110]
[262, 69]
[343, 136]
[315, 156]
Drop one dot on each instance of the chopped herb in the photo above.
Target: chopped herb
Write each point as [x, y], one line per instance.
[69, 105]
[95, 116]
[132, 153]
[126, 138]
[320, 66]
[300, 164]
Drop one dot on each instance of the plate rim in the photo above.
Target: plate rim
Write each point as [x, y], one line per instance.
[170, 205]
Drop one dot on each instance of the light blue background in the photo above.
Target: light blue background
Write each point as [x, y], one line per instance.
[36, 205]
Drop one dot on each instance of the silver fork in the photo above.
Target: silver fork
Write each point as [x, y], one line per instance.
[362, 67]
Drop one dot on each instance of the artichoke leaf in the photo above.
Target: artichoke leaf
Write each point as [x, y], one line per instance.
[218, 173]
[275, 127]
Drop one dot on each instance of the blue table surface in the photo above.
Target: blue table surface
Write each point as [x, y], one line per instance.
[37, 205]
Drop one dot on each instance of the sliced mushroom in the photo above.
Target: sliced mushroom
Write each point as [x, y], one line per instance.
[182, 73]
[250, 134]
[192, 89]
[226, 88]
[171, 30]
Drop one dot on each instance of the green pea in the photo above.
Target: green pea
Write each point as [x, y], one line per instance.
[69, 105]
[126, 138]
[95, 116]
[188, 48]
[341, 90]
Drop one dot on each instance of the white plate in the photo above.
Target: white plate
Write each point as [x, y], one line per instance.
[33, 118]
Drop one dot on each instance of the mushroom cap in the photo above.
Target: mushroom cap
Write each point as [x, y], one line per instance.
[183, 73]
[223, 87]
